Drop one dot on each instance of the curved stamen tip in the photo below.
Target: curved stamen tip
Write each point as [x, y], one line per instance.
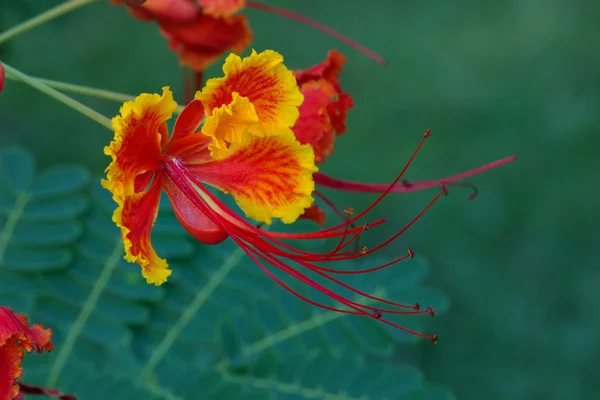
[431, 311]
[434, 338]
[427, 133]
[377, 314]
[349, 211]
[417, 307]
[444, 189]
[411, 254]
[366, 226]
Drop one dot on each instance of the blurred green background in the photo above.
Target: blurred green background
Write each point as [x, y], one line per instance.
[490, 79]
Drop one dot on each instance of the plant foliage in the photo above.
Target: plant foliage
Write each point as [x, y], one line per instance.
[218, 329]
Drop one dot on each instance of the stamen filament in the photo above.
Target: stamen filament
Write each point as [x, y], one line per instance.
[319, 26]
[350, 186]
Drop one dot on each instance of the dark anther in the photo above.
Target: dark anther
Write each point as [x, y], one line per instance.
[349, 210]
[260, 225]
[377, 314]
[431, 311]
[364, 249]
[434, 338]
[411, 254]
[366, 226]
[427, 133]
[417, 307]
[406, 183]
[444, 190]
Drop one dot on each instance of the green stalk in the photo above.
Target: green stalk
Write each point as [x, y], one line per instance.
[86, 91]
[42, 18]
[68, 101]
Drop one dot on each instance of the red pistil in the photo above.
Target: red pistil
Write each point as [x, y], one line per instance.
[319, 26]
[266, 248]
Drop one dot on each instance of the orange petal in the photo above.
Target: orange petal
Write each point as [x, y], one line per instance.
[314, 125]
[135, 216]
[174, 11]
[266, 82]
[15, 336]
[140, 131]
[328, 69]
[221, 8]
[203, 40]
[317, 83]
[268, 177]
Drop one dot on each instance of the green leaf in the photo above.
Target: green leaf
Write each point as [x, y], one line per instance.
[38, 214]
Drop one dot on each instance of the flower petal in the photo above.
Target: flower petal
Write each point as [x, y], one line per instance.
[228, 123]
[266, 82]
[195, 222]
[315, 214]
[221, 8]
[15, 336]
[203, 40]
[175, 11]
[317, 83]
[135, 215]
[268, 177]
[314, 125]
[328, 69]
[140, 131]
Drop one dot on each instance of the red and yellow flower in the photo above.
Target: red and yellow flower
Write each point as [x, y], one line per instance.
[236, 136]
[16, 337]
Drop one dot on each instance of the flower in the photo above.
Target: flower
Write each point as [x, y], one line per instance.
[236, 136]
[16, 335]
[245, 148]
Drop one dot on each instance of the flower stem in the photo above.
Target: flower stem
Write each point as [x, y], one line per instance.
[80, 89]
[42, 18]
[68, 101]
[86, 91]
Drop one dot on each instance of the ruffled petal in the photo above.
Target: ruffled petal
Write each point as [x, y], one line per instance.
[323, 113]
[140, 131]
[136, 215]
[16, 336]
[228, 124]
[203, 40]
[269, 177]
[328, 69]
[195, 222]
[266, 82]
[314, 126]
[221, 8]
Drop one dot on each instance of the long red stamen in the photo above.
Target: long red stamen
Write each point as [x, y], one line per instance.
[405, 186]
[259, 248]
[319, 26]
